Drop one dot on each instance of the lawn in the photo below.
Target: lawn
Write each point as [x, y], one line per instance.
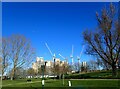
[57, 84]
[94, 75]
[100, 80]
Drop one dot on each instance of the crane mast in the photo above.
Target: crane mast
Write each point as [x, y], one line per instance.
[72, 55]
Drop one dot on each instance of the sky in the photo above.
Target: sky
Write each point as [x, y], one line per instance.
[58, 24]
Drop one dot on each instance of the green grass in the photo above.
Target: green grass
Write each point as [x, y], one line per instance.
[94, 75]
[95, 83]
[79, 84]
[6, 82]
[76, 84]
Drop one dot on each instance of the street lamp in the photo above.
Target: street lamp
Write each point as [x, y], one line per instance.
[43, 69]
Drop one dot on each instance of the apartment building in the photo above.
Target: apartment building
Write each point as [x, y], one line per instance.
[49, 64]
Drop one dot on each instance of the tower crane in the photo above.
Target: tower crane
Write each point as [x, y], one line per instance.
[72, 55]
[53, 55]
[79, 57]
[63, 58]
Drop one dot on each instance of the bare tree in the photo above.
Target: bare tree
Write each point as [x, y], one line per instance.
[92, 65]
[60, 69]
[39, 72]
[31, 72]
[21, 52]
[100, 64]
[57, 70]
[5, 55]
[65, 68]
[75, 66]
[105, 41]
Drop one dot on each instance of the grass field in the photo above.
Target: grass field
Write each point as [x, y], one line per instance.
[94, 75]
[95, 83]
[58, 84]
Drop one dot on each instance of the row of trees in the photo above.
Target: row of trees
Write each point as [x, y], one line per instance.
[48, 70]
[57, 69]
[17, 52]
[91, 66]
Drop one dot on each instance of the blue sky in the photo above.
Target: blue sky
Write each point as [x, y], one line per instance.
[59, 24]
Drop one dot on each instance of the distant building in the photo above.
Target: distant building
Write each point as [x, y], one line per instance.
[40, 60]
[62, 63]
[83, 67]
[57, 61]
[84, 64]
[38, 63]
[35, 67]
[49, 64]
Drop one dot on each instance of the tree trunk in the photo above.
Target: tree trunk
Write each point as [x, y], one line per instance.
[114, 70]
[13, 75]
